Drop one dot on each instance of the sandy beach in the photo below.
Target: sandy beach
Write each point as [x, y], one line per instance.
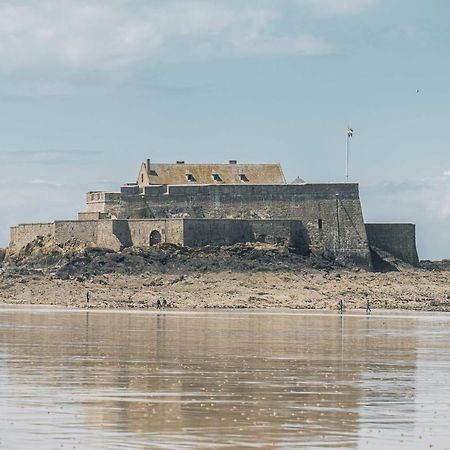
[240, 276]
[309, 289]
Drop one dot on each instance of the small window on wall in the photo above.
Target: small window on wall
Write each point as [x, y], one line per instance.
[243, 177]
[320, 224]
[190, 177]
[216, 177]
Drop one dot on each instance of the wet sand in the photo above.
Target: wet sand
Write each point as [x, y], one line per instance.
[222, 379]
[414, 289]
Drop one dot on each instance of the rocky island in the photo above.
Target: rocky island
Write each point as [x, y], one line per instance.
[254, 275]
[221, 236]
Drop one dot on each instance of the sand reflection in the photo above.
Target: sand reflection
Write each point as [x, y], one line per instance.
[228, 379]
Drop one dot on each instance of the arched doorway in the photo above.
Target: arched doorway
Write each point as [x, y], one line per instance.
[155, 237]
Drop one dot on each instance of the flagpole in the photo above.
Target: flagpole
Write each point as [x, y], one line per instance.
[346, 156]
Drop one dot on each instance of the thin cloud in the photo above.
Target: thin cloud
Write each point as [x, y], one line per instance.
[37, 202]
[47, 156]
[97, 35]
[338, 7]
[428, 194]
[438, 197]
[44, 183]
[425, 202]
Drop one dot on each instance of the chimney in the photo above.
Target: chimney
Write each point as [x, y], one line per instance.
[180, 162]
[147, 164]
[232, 161]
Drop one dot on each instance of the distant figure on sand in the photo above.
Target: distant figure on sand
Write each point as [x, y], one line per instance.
[368, 310]
[162, 303]
[341, 306]
[88, 296]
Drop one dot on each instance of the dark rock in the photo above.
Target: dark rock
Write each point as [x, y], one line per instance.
[77, 261]
[437, 266]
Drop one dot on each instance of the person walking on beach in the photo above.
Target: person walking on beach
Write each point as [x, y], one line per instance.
[88, 296]
[341, 306]
[368, 310]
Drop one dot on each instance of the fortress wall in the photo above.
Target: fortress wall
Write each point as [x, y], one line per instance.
[117, 234]
[92, 216]
[111, 233]
[23, 234]
[200, 232]
[171, 231]
[399, 239]
[175, 232]
[100, 202]
[342, 233]
[89, 215]
[281, 232]
[85, 231]
[155, 190]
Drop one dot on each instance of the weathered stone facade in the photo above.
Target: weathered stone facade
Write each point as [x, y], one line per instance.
[117, 234]
[323, 218]
[330, 212]
[399, 239]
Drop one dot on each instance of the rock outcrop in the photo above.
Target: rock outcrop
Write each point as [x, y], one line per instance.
[74, 259]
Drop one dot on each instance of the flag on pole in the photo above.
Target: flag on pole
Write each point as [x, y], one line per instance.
[350, 132]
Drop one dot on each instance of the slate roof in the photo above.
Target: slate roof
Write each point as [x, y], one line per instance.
[170, 174]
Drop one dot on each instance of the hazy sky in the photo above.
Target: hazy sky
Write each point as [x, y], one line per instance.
[88, 89]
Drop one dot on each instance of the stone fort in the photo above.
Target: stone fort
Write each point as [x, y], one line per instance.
[222, 204]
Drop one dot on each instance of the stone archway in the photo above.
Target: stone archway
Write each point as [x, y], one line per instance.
[155, 237]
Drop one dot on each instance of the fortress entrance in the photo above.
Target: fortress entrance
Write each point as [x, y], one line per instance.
[155, 237]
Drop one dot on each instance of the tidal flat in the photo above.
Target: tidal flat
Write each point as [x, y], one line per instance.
[252, 276]
[412, 289]
[98, 379]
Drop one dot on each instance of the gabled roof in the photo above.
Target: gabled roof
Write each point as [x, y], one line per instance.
[233, 173]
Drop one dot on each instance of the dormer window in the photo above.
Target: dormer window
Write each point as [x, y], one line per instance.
[190, 178]
[216, 177]
[243, 177]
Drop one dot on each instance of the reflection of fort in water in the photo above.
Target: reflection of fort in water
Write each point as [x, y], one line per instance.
[302, 376]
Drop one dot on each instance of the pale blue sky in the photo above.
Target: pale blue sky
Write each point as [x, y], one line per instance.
[89, 89]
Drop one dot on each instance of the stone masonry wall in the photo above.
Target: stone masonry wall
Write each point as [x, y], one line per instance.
[92, 216]
[291, 232]
[100, 202]
[23, 234]
[106, 237]
[170, 230]
[118, 234]
[85, 231]
[399, 239]
[200, 232]
[331, 213]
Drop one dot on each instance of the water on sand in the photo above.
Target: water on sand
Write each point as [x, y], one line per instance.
[179, 380]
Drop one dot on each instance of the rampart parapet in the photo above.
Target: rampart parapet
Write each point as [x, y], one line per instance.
[199, 208]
